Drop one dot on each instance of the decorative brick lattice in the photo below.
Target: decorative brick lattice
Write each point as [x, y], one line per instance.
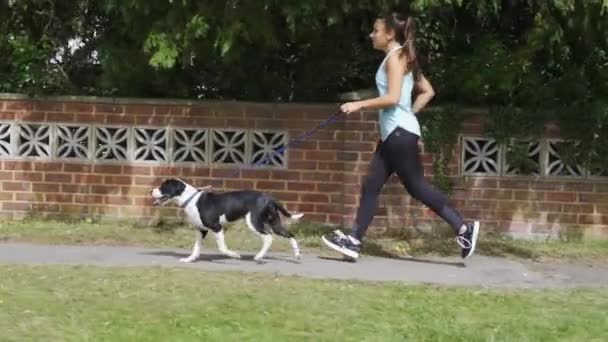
[480, 156]
[483, 156]
[33, 140]
[156, 145]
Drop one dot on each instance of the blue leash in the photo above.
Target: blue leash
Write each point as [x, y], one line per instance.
[333, 118]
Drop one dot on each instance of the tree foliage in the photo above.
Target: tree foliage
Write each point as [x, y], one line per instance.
[530, 60]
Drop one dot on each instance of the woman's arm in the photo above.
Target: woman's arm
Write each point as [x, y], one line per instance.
[391, 98]
[424, 97]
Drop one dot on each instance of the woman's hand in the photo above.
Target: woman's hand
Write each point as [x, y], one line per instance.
[350, 107]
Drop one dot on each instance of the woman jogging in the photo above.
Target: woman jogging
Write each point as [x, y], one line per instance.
[397, 150]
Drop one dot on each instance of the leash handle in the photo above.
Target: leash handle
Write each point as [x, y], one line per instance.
[331, 119]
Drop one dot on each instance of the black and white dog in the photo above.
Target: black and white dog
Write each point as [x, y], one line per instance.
[208, 210]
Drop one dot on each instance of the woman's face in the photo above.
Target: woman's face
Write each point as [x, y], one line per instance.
[380, 35]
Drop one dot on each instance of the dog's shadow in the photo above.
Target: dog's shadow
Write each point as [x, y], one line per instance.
[217, 258]
[409, 259]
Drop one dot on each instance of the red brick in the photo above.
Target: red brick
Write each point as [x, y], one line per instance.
[82, 168]
[16, 206]
[601, 187]
[270, 185]
[546, 206]
[316, 176]
[73, 188]
[316, 217]
[348, 136]
[560, 196]
[330, 187]
[578, 208]
[314, 198]
[332, 166]
[78, 107]
[136, 170]
[285, 175]
[116, 169]
[347, 156]
[16, 186]
[482, 204]
[240, 123]
[18, 105]
[592, 219]
[59, 198]
[239, 184]
[297, 186]
[18, 165]
[45, 207]
[89, 118]
[139, 109]
[58, 177]
[301, 207]
[29, 196]
[120, 180]
[514, 184]
[108, 108]
[195, 111]
[255, 174]
[547, 185]
[59, 117]
[601, 208]
[7, 116]
[578, 187]
[562, 218]
[168, 110]
[130, 119]
[593, 198]
[48, 106]
[28, 176]
[285, 196]
[88, 179]
[224, 173]
[74, 209]
[529, 195]
[147, 181]
[45, 187]
[195, 171]
[30, 116]
[118, 200]
[46, 166]
[103, 189]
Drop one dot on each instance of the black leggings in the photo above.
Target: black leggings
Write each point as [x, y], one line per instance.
[399, 153]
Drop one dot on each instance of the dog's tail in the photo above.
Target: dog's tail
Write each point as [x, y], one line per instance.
[284, 211]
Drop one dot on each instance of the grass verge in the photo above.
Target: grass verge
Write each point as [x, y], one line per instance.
[66, 303]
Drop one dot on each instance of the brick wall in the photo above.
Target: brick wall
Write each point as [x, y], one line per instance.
[92, 157]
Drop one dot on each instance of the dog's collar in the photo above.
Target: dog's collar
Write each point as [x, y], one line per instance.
[186, 202]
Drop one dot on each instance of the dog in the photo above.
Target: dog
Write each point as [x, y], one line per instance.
[208, 211]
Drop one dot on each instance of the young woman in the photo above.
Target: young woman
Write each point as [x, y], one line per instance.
[397, 150]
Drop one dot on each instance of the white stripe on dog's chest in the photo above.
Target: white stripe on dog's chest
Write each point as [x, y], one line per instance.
[223, 219]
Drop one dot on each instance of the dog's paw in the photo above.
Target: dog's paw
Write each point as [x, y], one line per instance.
[187, 260]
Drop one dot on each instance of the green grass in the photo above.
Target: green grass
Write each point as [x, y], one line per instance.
[66, 303]
[238, 237]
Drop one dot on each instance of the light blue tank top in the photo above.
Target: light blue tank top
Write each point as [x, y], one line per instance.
[400, 115]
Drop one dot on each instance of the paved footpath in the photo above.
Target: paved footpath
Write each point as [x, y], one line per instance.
[477, 271]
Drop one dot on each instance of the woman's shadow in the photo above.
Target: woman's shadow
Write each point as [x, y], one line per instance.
[374, 249]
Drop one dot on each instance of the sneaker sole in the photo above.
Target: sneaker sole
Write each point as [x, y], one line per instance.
[344, 251]
[473, 238]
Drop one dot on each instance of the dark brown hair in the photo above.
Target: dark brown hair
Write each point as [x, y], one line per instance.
[404, 27]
